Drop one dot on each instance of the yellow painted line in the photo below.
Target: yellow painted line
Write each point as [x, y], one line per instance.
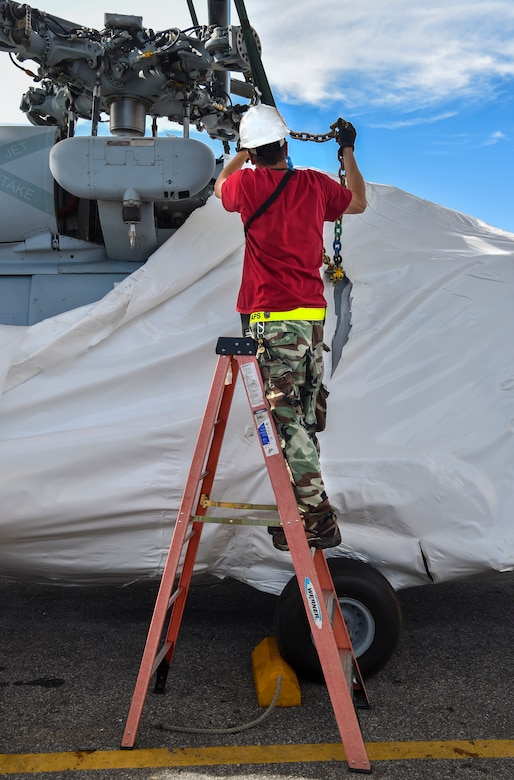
[472, 748]
[11, 763]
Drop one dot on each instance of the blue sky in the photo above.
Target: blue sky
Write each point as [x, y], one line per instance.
[429, 87]
[463, 161]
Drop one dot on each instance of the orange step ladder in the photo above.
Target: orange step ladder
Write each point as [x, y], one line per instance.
[236, 356]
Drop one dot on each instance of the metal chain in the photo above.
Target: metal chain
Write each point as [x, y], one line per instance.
[334, 270]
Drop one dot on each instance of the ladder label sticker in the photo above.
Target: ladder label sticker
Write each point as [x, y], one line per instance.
[252, 384]
[265, 431]
[313, 602]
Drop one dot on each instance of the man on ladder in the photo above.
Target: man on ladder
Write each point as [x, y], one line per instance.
[281, 299]
[290, 350]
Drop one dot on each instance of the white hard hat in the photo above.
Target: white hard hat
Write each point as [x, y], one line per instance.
[261, 125]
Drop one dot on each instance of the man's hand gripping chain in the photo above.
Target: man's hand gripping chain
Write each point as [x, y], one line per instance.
[345, 133]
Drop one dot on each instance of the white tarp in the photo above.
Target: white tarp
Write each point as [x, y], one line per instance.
[100, 408]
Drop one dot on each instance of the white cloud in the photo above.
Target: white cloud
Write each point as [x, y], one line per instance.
[494, 137]
[393, 53]
[413, 121]
[401, 55]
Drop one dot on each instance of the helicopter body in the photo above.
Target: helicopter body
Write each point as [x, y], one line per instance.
[80, 212]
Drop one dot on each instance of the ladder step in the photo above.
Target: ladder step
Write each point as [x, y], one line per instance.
[161, 655]
[189, 534]
[329, 599]
[174, 596]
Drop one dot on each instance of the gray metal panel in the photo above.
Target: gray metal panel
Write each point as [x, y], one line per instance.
[53, 294]
[156, 168]
[26, 184]
[116, 232]
[14, 300]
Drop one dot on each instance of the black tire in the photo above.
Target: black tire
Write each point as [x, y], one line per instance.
[371, 611]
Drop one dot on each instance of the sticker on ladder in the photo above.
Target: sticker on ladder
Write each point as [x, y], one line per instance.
[313, 601]
[267, 437]
[252, 384]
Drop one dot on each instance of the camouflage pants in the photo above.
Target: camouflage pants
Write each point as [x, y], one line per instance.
[292, 371]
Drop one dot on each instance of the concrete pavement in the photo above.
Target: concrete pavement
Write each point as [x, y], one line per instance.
[69, 658]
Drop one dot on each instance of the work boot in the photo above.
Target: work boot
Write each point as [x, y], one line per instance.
[325, 533]
[321, 535]
[279, 538]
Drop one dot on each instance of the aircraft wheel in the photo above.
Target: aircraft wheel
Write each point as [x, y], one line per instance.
[371, 611]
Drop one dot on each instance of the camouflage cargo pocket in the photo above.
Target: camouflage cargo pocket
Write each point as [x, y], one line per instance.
[321, 408]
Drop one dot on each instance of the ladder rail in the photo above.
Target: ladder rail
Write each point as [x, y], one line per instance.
[339, 626]
[335, 662]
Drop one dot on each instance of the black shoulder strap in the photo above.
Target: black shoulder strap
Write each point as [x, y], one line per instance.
[276, 192]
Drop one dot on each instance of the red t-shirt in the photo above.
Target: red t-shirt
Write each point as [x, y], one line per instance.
[284, 246]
